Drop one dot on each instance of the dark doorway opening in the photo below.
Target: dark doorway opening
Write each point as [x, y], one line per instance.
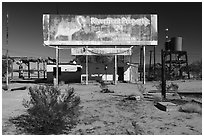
[120, 74]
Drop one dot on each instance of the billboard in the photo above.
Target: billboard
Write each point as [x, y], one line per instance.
[138, 29]
[101, 51]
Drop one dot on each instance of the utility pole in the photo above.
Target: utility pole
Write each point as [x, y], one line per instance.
[7, 64]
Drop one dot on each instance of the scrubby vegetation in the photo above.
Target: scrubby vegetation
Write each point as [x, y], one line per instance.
[104, 87]
[4, 87]
[191, 108]
[49, 111]
[169, 87]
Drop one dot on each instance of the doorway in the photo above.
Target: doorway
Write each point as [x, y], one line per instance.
[120, 74]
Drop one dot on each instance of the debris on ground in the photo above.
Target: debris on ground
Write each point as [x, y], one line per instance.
[21, 88]
[106, 91]
[133, 97]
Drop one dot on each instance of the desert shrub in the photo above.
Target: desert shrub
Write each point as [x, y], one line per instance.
[49, 111]
[104, 87]
[191, 108]
[5, 87]
[169, 87]
[141, 88]
[195, 69]
[62, 83]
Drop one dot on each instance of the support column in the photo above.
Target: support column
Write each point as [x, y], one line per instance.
[141, 63]
[154, 61]
[163, 92]
[116, 69]
[170, 62]
[87, 60]
[144, 64]
[57, 65]
[44, 69]
[130, 68]
[187, 65]
[7, 69]
[28, 69]
[11, 69]
[38, 69]
[150, 63]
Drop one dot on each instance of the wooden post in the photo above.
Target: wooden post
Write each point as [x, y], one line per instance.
[11, 69]
[169, 74]
[7, 64]
[130, 68]
[141, 63]
[44, 69]
[87, 60]
[57, 66]
[150, 63]
[144, 64]
[38, 69]
[7, 69]
[154, 61]
[28, 69]
[187, 65]
[163, 92]
[115, 69]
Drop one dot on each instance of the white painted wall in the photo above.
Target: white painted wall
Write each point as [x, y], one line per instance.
[64, 68]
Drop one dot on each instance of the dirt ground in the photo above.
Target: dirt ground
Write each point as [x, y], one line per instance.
[111, 113]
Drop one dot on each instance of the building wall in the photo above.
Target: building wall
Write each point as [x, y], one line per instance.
[97, 72]
[69, 73]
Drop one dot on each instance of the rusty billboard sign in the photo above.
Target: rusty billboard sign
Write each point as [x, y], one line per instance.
[138, 29]
[101, 51]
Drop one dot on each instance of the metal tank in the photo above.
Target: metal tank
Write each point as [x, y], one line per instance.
[176, 43]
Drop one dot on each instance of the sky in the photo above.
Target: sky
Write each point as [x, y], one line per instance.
[25, 37]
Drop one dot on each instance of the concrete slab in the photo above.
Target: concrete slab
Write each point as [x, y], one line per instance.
[167, 106]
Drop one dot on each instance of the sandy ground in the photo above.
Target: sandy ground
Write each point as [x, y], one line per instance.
[111, 113]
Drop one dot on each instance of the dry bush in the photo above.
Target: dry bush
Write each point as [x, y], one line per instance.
[141, 88]
[49, 111]
[191, 108]
[169, 87]
[4, 87]
[104, 87]
[62, 83]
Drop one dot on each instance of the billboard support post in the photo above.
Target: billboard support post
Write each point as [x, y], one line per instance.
[144, 64]
[141, 63]
[57, 65]
[87, 72]
[163, 77]
[115, 69]
[154, 62]
[130, 75]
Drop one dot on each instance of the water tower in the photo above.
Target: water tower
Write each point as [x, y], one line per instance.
[176, 60]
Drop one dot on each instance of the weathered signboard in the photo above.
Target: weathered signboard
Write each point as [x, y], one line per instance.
[101, 51]
[100, 29]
